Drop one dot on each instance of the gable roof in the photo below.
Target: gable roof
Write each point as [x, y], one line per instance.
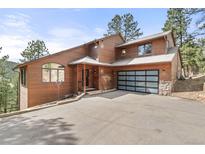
[150, 37]
[88, 60]
[69, 49]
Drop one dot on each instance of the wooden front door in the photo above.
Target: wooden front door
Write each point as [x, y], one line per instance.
[86, 77]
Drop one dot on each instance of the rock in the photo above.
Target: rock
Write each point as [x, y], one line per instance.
[165, 87]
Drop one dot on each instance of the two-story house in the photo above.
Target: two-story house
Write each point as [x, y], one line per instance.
[150, 65]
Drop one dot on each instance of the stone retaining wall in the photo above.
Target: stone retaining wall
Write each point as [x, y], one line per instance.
[165, 87]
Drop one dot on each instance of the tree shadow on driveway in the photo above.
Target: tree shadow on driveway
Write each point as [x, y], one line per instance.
[24, 130]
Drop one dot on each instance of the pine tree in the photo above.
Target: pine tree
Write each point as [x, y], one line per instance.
[8, 86]
[192, 57]
[125, 25]
[178, 20]
[200, 20]
[4, 84]
[34, 50]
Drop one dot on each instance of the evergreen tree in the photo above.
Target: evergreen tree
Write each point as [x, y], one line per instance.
[34, 50]
[200, 20]
[192, 57]
[178, 20]
[4, 84]
[125, 25]
[8, 86]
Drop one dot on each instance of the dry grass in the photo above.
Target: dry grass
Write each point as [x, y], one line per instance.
[194, 95]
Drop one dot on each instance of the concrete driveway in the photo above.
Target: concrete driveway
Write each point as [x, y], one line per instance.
[113, 118]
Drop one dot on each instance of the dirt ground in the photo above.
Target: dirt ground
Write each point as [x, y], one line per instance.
[194, 95]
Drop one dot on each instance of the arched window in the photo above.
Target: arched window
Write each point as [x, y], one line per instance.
[52, 72]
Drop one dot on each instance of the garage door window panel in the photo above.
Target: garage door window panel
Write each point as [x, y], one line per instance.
[130, 88]
[131, 73]
[122, 73]
[140, 84]
[140, 72]
[138, 89]
[122, 87]
[122, 82]
[152, 90]
[130, 83]
[152, 84]
[131, 78]
[151, 78]
[122, 77]
[139, 80]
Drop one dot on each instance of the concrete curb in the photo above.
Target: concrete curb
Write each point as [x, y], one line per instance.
[101, 92]
[42, 107]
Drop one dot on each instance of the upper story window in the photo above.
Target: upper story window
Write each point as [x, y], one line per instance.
[144, 49]
[23, 76]
[52, 72]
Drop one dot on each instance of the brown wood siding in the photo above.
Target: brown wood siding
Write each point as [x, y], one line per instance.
[40, 92]
[100, 77]
[158, 47]
[105, 78]
[93, 52]
[96, 77]
[107, 54]
[176, 68]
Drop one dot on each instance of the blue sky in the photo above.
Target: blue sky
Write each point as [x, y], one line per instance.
[65, 28]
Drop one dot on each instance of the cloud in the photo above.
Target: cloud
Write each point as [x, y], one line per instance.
[67, 32]
[63, 38]
[99, 30]
[16, 31]
[15, 34]
[16, 21]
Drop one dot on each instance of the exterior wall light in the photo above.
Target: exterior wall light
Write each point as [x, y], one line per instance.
[123, 51]
[101, 44]
[96, 44]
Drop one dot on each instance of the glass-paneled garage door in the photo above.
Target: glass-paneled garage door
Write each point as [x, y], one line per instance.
[146, 81]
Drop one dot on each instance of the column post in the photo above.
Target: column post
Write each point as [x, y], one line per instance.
[84, 78]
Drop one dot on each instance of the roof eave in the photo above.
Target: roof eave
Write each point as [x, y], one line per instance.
[143, 63]
[120, 46]
[69, 49]
[149, 39]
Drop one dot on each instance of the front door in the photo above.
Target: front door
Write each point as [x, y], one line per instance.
[86, 77]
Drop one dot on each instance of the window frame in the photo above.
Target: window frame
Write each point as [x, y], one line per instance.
[145, 53]
[50, 69]
[23, 76]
